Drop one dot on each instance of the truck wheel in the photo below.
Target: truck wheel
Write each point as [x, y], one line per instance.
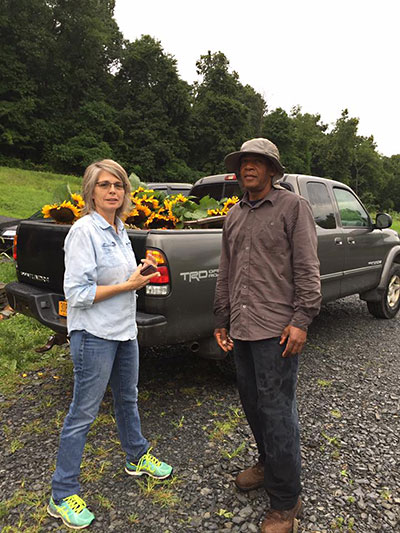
[389, 303]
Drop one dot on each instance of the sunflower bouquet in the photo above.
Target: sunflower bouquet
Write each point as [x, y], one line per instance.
[150, 210]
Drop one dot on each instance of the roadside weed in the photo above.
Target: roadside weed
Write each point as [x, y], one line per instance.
[227, 426]
[16, 445]
[332, 441]
[133, 518]
[144, 395]
[103, 501]
[224, 513]
[345, 525]
[160, 492]
[36, 426]
[93, 470]
[323, 383]
[32, 505]
[385, 494]
[235, 452]
[179, 423]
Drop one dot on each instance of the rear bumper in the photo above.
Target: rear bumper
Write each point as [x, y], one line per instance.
[43, 306]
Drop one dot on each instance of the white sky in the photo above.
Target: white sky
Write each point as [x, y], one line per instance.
[324, 55]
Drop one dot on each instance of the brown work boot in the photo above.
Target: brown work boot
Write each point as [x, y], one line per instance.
[251, 478]
[282, 521]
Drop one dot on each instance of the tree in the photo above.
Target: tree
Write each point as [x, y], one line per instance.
[225, 113]
[26, 44]
[153, 107]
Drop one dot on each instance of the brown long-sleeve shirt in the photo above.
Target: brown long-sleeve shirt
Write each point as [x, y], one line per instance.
[269, 269]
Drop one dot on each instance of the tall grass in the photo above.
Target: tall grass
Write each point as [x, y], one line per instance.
[23, 192]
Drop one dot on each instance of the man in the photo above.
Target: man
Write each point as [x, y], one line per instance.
[267, 293]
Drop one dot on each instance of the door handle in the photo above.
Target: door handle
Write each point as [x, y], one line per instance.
[338, 241]
[350, 240]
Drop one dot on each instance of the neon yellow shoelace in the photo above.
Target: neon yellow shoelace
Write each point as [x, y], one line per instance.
[76, 503]
[150, 460]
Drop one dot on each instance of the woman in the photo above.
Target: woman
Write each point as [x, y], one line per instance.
[100, 283]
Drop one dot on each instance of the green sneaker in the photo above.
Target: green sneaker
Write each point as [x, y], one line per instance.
[72, 511]
[149, 465]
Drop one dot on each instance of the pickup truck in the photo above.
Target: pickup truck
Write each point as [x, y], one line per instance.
[357, 256]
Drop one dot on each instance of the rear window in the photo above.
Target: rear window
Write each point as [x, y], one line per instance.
[218, 190]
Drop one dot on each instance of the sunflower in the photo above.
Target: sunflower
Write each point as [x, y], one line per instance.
[214, 212]
[179, 198]
[66, 212]
[138, 215]
[78, 200]
[150, 201]
[161, 221]
[47, 208]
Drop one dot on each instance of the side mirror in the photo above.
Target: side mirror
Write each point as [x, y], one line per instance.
[383, 220]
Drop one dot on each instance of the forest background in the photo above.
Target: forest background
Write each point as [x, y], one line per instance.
[73, 90]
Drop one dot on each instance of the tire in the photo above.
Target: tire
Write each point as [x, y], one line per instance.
[389, 304]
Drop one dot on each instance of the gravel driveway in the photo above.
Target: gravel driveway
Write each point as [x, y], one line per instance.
[349, 401]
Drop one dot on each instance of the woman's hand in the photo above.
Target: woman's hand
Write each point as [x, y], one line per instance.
[137, 280]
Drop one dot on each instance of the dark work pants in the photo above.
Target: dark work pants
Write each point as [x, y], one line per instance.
[267, 388]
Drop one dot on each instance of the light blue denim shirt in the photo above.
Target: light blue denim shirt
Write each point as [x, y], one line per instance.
[95, 254]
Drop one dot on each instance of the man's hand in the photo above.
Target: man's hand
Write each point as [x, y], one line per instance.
[223, 339]
[295, 337]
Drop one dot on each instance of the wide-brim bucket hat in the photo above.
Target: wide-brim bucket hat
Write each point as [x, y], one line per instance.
[258, 146]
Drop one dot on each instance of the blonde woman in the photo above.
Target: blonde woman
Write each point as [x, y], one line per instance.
[100, 283]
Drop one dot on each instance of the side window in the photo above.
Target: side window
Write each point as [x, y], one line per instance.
[321, 205]
[351, 211]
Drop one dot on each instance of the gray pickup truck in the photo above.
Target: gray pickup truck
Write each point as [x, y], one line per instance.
[357, 256]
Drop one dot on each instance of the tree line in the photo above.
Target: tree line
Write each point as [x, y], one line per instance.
[73, 90]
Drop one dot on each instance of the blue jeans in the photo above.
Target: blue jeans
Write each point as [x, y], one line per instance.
[267, 388]
[96, 362]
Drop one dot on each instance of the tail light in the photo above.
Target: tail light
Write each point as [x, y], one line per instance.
[15, 247]
[161, 285]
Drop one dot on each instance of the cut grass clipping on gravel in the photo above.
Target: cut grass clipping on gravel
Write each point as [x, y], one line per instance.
[23, 192]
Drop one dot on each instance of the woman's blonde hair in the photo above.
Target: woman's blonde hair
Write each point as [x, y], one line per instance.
[90, 178]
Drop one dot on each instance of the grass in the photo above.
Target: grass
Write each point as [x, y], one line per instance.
[23, 192]
[7, 269]
[396, 222]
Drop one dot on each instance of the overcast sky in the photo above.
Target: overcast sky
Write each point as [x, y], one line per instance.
[324, 55]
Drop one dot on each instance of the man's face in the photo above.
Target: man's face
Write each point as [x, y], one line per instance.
[256, 173]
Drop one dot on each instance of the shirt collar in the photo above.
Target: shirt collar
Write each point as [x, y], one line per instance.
[270, 197]
[102, 223]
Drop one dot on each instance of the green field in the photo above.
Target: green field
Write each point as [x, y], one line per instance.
[23, 192]
[396, 221]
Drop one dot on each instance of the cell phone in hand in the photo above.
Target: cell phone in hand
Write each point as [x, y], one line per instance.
[148, 269]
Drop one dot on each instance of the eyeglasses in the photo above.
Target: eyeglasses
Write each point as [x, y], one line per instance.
[106, 185]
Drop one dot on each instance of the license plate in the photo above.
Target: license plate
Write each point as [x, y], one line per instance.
[62, 308]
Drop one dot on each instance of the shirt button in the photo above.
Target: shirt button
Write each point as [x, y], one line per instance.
[244, 287]
[244, 306]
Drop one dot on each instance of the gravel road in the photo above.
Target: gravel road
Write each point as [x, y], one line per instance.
[349, 401]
